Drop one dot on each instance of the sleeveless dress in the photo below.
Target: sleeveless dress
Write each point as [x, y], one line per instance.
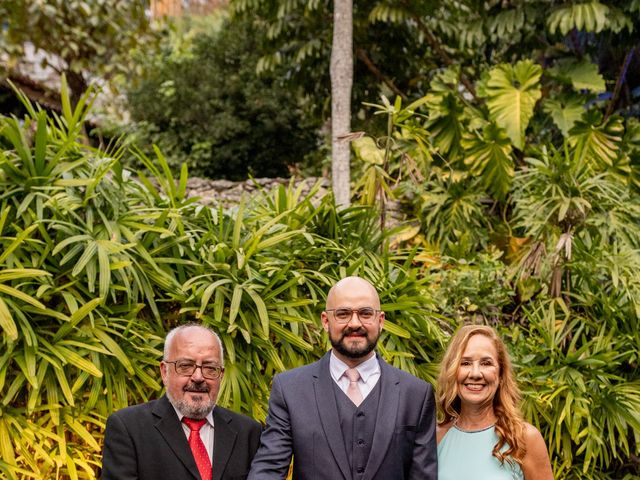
[467, 456]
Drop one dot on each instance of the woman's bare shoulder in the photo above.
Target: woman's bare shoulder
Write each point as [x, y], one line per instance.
[442, 429]
[536, 464]
[532, 434]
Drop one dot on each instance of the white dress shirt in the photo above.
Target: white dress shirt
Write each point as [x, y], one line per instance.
[369, 371]
[206, 432]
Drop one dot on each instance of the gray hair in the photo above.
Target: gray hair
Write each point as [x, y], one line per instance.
[172, 333]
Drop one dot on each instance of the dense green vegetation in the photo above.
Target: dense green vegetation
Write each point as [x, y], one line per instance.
[79, 38]
[517, 167]
[400, 45]
[540, 239]
[199, 99]
[95, 267]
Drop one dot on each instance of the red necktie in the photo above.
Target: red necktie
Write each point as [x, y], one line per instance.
[197, 447]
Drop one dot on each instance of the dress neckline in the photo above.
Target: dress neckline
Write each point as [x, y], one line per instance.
[455, 425]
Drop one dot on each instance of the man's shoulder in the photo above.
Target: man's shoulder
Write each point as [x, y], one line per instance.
[404, 377]
[303, 372]
[138, 410]
[239, 418]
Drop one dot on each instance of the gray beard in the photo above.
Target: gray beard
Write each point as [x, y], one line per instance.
[198, 411]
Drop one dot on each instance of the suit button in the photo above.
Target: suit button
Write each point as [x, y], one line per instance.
[360, 442]
[361, 414]
[360, 470]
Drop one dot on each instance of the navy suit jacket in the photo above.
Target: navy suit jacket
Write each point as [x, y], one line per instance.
[303, 422]
[147, 442]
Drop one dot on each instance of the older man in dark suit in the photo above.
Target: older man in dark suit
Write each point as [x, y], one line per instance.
[183, 435]
[349, 416]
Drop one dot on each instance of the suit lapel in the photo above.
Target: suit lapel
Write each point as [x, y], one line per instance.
[224, 441]
[328, 412]
[386, 419]
[171, 430]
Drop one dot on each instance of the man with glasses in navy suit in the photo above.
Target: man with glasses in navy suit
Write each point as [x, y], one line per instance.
[349, 416]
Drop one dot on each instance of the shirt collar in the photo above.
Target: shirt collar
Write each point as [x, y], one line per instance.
[209, 416]
[367, 368]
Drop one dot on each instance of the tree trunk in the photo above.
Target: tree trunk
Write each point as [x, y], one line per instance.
[77, 85]
[341, 83]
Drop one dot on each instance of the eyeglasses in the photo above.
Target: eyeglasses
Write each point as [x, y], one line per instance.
[366, 315]
[188, 368]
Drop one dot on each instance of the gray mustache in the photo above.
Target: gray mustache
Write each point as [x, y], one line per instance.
[203, 388]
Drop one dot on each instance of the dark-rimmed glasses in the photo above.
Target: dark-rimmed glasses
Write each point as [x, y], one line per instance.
[343, 315]
[188, 368]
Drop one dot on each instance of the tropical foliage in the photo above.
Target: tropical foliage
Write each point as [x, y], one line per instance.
[400, 45]
[537, 233]
[517, 166]
[96, 266]
[79, 38]
[199, 99]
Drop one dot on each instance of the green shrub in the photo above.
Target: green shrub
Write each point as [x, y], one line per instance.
[204, 105]
[538, 235]
[96, 267]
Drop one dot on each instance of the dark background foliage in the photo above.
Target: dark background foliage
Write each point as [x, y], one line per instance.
[207, 106]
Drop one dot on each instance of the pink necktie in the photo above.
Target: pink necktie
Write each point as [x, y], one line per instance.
[197, 447]
[353, 391]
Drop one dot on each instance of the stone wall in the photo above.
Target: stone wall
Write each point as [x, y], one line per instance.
[228, 193]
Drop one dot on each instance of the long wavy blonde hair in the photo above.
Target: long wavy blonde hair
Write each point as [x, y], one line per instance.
[510, 425]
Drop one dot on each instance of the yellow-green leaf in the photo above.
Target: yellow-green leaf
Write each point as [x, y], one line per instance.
[7, 323]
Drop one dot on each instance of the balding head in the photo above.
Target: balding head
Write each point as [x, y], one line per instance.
[203, 330]
[353, 285]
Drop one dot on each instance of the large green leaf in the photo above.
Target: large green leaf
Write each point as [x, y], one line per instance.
[489, 156]
[7, 323]
[511, 93]
[582, 74]
[366, 149]
[588, 16]
[444, 123]
[445, 112]
[565, 111]
[595, 141]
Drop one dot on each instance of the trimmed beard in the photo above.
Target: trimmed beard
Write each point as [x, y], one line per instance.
[196, 410]
[354, 352]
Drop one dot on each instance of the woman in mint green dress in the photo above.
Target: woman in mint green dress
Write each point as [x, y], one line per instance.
[483, 435]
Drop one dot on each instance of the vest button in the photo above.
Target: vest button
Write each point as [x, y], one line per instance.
[360, 441]
[360, 470]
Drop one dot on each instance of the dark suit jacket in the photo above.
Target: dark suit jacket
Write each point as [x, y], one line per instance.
[147, 442]
[303, 422]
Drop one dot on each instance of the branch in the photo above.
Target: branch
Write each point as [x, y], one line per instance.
[35, 91]
[621, 79]
[362, 55]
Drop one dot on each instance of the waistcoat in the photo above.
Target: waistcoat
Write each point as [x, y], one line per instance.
[358, 425]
